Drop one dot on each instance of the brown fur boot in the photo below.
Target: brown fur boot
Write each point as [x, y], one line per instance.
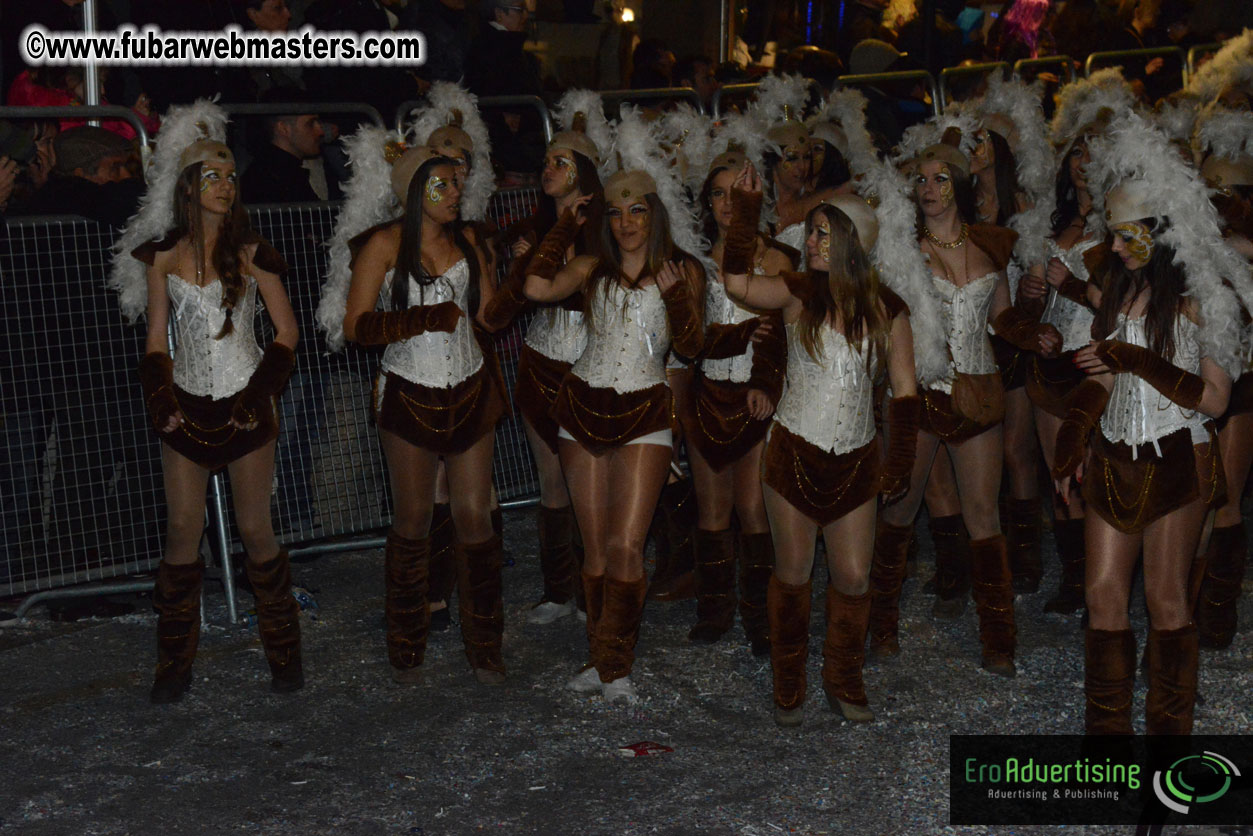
[176, 598]
[482, 608]
[1172, 680]
[588, 680]
[1022, 536]
[887, 574]
[407, 579]
[844, 654]
[1068, 534]
[1217, 606]
[756, 567]
[618, 627]
[952, 566]
[715, 585]
[443, 564]
[787, 606]
[557, 564]
[1109, 675]
[994, 600]
[674, 579]
[278, 619]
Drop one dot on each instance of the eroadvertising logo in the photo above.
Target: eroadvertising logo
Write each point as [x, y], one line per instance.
[1070, 779]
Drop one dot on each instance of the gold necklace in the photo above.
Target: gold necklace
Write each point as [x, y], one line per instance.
[948, 245]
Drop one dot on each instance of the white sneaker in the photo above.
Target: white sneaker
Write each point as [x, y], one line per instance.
[620, 691]
[586, 681]
[546, 612]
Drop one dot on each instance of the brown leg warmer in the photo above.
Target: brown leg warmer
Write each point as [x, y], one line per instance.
[1172, 680]
[788, 607]
[994, 600]
[756, 567]
[1022, 535]
[618, 627]
[952, 565]
[576, 546]
[594, 596]
[482, 607]
[556, 553]
[1217, 603]
[887, 574]
[1073, 556]
[844, 653]
[715, 585]
[1109, 674]
[407, 579]
[176, 598]
[674, 578]
[278, 618]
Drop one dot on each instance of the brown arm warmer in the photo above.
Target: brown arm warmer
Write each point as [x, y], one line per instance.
[904, 415]
[1020, 328]
[1084, 408]
[770, 360]
[156, 378]
[551, 253]
[509, 300]
[741, 241]
[1076, 290]
[267, 381]
[723, 341]
[386, 327]
[687, 332]
[1184, 388]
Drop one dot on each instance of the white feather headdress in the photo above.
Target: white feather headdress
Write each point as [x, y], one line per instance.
[778, 97]
[368, 201]
[1080, 101]
[920, 136]
[1224, 132]
[637, 147]
[1231, 66]
[687, 133]
[1134, 149]
[181, 126]
[598, 129]
[444, 102]
[1177, 117]
[847, 108]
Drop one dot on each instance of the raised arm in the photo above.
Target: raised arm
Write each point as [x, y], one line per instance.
[567, 281]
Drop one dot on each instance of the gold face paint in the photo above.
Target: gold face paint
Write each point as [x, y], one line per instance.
[824, 240]
[945, 179]
[434, 189]
[210, 176]
[1138, 238]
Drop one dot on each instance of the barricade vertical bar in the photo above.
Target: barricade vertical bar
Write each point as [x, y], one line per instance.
[218, 524]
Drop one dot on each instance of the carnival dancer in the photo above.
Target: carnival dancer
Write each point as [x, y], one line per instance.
[212, 404]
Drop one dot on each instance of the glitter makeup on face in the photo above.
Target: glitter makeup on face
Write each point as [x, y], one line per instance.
[947, 195]
[433, 189]
[1138, 238]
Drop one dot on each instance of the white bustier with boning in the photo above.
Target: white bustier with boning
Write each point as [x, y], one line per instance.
[203, 364]
[829, 402]
[627, 339]
[437, 359]
[964, 313]
[1136, 412]
[1071, 319]
[721, 309]
[557, 333]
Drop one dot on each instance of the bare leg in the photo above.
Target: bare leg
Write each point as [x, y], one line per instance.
[941, 493]
[412, 472]
[1236, 443]
[794, 537]
[750, 503]
[470, 490]
[715, 492]
[977, 463]
[552, 481]
[1112, 558]
[1047, 426]
[1020, 451]
[252, 478]
[185, 486]
[850, 547]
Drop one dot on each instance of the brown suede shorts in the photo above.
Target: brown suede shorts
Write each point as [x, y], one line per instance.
[206, 435]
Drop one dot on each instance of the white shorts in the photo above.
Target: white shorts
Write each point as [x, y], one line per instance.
[662, 438]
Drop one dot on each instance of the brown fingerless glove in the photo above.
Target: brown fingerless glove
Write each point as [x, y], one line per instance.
[508, 301]
[1083, 410]
[904, 415]
[723, 341]
[769, 368]
[550, 255]
[156, 378]
[1184, 388]
[267, 381]
[1017, 327]
[687, 332]
[741, 240]
[386, 327]
[1076, 290]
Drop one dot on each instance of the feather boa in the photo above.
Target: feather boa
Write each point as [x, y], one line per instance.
[443, 98]
[599, 131]
[1224, 132]
[847, 108]
[181, 126]
[1231, 66]
[1134, 148]
[686, 132]
[1079, 102]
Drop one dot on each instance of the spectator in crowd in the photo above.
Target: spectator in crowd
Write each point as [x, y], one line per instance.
[697, 72]
[64, 87]
[92, 178]
[1141, 31]
[271, 16]
[946, 49]
[1081, 28]
[1020, 32]
[384, 87]
[449, 27]
[891, 107]
[53, 15]
[497, 65]
[287, 167]
[167, 84]
[28, 146]
[652, 65]
[862, 19]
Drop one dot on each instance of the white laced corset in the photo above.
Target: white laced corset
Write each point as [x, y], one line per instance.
[437, 359]
[828, 402]
[721, 309]
[557, 333]
[794, 236]
[964, 312]
[1071, 319]
[203, 364]
[1139, 414]
[627, 339]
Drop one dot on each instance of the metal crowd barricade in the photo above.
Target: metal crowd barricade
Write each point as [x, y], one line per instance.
[648, 95]
[870, 79]
[89, 112]
[1103, 59]
[1194, 54]
[746, 91]
[950, 74]
[492, 103]
[1028, 68]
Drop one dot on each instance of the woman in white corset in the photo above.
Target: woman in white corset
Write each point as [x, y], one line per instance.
[822, 469]
[1153, 471]
[213, 405]
[642, 295]
[417, 285]
[788, 172]
[964, 410]
[738, 384]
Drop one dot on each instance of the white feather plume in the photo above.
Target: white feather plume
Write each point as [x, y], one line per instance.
[920, 136]
[847, 108]
[1177, 117]
[687, 132]
[775, 96]
[1134, 148]
[443, 98]
[1231, 66]
[1224, 132]
[368, 201]
[901, 267]
[1079, 102]
[599, 131]
[181, 126]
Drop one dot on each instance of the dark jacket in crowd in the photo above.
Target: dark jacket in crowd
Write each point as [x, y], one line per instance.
[860, 23]
[384, 87]
[448, 32]
[275, 176]
[108, 203]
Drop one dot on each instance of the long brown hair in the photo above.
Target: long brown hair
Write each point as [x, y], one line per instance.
[1167, 300]
[661, 248]
[234, 233]
[848, 289]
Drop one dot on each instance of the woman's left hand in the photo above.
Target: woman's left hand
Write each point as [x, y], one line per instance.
[1087, 360]
[668, 276]
[759, 404]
